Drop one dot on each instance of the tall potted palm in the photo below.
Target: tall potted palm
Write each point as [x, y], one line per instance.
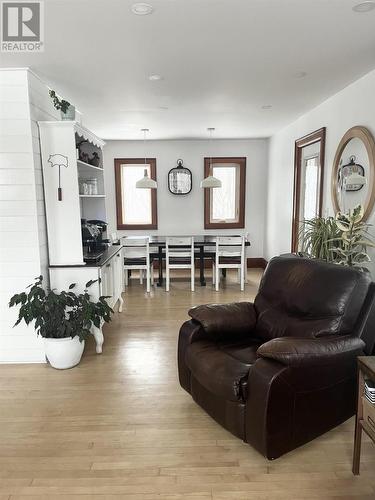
[63, 319]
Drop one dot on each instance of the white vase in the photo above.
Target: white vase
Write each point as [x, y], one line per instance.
[64, 353]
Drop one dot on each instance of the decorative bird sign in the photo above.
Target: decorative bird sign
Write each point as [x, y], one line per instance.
[60, 161]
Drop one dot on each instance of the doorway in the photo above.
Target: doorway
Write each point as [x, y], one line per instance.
[308, 181]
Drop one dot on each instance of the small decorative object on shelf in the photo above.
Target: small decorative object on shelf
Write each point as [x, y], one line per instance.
[370, 391]
[67, 110]
[94, 160]
[180, 179]
[59, 161]
[93, 186]
[63, 319]
[84, 157]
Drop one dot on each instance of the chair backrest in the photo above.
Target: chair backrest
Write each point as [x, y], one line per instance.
[230, 246]
[309, 298]
[136, 247]
[179, 246]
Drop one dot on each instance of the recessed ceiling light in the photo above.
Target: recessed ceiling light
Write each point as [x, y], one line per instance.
[142, 9]
[267, 106]
[155, 78]
[300, 74]
[364, 7]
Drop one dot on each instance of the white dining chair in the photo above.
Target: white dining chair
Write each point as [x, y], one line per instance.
[229, 254]
[179, 254]
[137, 257]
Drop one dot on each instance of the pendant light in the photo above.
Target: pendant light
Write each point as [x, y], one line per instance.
[210, 182]
[145, 182]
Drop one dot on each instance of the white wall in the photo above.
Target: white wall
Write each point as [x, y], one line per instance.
[41, 108]
[185, 214]
[354, 105]
[23, 254]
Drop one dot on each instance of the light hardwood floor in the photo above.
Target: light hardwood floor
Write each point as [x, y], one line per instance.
[118, 426]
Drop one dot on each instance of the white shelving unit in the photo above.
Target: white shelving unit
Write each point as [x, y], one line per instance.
[58, 146]
[65, 207]
[83, 164]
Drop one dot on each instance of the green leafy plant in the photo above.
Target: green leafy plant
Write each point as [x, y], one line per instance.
[319, 237]
[354, 238]
[60, 315]
[342, 239]
[59, 104]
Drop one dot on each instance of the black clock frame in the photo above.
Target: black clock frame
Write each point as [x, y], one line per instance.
[180, 168]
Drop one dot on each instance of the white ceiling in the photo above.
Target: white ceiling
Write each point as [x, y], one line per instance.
[221, 60]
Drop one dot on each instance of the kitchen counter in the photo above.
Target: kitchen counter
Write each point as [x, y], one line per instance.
[107, 255]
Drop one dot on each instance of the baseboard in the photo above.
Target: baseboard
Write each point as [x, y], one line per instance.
[252, 262]
[256, 262]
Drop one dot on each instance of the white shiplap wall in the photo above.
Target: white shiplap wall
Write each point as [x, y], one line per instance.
[41, 109]
[23, 241]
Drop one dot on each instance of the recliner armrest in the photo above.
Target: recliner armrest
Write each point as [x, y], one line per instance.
[298, 351]
[219, 320]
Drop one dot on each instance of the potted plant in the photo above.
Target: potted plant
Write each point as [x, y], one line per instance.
[342, 239]
[63, 319]
[68, 111]
[318, 237]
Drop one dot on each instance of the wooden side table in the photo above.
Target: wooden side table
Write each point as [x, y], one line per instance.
[366, 369]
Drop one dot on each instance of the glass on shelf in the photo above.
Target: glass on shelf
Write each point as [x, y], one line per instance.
[93, 185]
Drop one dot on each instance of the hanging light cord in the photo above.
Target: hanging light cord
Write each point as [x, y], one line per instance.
[211, 172]
[210, 129]
[144, 146]
[145, 130]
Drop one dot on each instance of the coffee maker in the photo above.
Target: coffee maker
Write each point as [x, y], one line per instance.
[93, 241]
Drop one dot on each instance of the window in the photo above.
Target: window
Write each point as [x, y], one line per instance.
[309, 208]
[136, 208]
[224, 207]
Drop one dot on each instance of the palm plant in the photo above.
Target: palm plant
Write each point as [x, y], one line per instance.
[319, 237]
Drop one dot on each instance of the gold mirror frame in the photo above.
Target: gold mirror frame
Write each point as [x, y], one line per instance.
[367, 138]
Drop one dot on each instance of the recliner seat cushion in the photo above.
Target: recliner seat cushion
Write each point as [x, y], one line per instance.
[223, 368]
[308, 298]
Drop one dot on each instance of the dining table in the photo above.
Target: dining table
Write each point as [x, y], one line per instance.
[200, 242]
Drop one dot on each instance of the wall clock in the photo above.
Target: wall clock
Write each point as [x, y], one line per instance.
[180, 179]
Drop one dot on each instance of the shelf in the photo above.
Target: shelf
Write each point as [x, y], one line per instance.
[368, 430]
[85, 165]
[92, 195]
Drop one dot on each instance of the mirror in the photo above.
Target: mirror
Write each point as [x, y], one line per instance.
[179, 179]
[308, 180]
[353, 172]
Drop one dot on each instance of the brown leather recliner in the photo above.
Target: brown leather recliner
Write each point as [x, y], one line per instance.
[281, 371]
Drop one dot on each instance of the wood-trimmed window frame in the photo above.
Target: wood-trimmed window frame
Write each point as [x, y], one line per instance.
[154, 211]
[241, 161]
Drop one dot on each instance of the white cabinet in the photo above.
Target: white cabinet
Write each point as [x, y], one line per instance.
[65, 206]
[111, 275]
[118, 274]
[108, 277]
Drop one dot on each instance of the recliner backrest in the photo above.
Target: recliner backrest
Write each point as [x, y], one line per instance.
[365, 327]
[309, 298]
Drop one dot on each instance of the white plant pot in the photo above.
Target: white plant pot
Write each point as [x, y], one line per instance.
[64, 353]
[70, 113]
